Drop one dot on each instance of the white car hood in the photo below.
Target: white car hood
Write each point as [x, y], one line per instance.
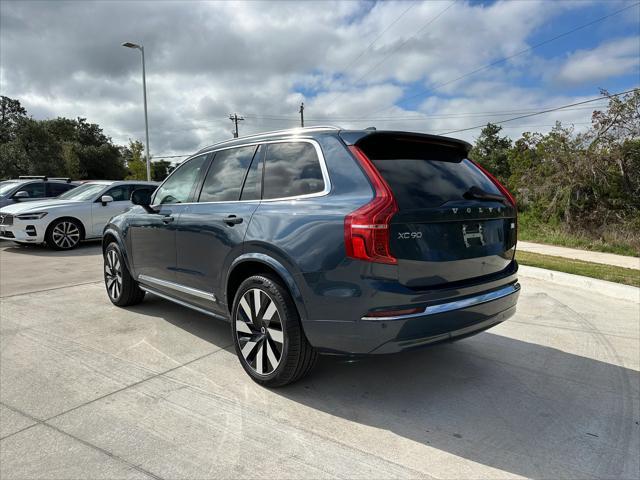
[37, 206]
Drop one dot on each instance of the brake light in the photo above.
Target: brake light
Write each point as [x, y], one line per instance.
[497, 183]
[366, 230]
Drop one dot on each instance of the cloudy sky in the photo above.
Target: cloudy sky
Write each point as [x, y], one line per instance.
[430, 66]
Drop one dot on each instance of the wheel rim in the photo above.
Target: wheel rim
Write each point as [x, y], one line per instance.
[113, 274]
[259, 331]
[66, 234]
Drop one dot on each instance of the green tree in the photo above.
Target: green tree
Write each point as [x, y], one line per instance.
[160, 170]
[492, 152]
[136, 164]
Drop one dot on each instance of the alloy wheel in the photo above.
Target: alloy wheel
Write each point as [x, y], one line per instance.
[259, 331]
[113, 274]
[66, 234]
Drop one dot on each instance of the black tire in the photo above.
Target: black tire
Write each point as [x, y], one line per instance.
[263, 340]
[64, 234]
[122, 289]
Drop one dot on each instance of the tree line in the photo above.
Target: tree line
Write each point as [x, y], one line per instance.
[584, 183]
[64, 147]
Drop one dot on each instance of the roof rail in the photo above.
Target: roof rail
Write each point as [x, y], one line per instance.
[33, 177]
[273, 133]
[64, 179]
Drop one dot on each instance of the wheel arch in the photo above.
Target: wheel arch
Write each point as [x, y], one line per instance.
[83, 229]
[257, 263]
[112, 235]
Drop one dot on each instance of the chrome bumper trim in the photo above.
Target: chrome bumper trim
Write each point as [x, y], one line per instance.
[176, 286]
[456, 304]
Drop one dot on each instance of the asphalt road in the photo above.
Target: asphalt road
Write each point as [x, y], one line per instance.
[88, 390]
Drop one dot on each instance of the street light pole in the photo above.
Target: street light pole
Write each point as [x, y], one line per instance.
[144, 92]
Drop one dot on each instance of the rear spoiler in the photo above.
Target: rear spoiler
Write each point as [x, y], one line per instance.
[353, 137]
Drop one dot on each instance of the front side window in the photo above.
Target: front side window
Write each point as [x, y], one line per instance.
[292, 169]
[83, 193]
[178, 187]
[226, 175]
[119, 193]
[35, 190]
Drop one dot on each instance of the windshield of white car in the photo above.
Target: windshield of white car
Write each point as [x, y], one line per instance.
[85, 192]
[6, 187]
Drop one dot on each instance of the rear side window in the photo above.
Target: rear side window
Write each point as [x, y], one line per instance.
[252, 189]
[291, 169]
[424, 174]
[55, 189]
[226, 175]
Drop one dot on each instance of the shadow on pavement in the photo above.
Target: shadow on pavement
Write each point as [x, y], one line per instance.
[84, 249]
[516, 406]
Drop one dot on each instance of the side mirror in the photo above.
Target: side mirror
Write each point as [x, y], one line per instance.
[21, 194]
[142, 197]
[105, 199]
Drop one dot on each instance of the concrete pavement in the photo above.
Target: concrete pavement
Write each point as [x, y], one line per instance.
[89, 390]
[584, 255]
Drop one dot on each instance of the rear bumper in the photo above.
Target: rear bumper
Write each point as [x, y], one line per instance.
[445, 321]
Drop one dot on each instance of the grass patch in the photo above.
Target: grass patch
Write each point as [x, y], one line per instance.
[617, 240]
[627, 276]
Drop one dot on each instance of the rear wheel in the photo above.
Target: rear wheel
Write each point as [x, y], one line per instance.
[267, 333]
[64, 234]
[122, 289]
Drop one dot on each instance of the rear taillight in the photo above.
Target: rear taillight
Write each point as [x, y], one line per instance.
[497, 183]
[366, 230]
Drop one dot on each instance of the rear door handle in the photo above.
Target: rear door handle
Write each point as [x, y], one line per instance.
[167, 219]
[233, 220]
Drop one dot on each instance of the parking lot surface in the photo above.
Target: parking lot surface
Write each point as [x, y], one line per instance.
[88, 390]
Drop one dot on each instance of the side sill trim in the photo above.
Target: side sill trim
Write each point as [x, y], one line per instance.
[456, 304]
[182, 303]
[176, 286]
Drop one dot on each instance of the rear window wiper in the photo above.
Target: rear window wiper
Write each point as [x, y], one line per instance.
[476, 193]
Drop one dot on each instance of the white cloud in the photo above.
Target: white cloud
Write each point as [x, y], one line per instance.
[261, 59]
[616, 57]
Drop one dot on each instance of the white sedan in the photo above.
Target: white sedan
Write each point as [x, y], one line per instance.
[79, 214]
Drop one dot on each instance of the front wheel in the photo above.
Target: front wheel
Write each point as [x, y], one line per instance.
[64, 234]
[122, 289]
[267, 333]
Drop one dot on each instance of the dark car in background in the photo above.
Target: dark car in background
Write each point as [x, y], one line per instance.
[25, 189]
[321, 240]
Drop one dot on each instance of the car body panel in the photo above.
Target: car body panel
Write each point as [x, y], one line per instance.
[92, 214]
[302, 241]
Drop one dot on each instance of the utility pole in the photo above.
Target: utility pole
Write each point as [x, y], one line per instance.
[301, 114]
[235, 119]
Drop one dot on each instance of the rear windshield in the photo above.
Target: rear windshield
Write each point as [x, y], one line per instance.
[423, 174]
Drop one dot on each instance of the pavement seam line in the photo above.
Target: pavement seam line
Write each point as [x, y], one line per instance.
[156, 375]
[50, 289]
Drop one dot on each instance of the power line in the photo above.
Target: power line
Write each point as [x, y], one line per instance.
[347, 67]
[536, 113]
[504, 59]
[397, 48]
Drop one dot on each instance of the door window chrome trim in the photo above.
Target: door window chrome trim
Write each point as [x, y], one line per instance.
[321, 159]
[456, 304]
[182, 302]
[176, 286]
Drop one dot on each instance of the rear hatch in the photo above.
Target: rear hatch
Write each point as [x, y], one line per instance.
[453, 223]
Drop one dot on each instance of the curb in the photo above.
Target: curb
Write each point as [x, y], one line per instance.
[604, 287]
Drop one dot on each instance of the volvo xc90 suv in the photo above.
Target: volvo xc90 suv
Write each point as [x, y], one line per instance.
[321, 240]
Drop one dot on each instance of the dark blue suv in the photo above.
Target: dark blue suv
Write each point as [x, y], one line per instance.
[321, 240]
